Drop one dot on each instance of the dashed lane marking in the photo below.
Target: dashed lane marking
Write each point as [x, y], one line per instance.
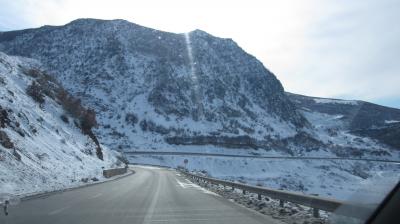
[58, 210]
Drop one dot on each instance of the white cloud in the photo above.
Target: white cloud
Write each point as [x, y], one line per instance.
[353, 51]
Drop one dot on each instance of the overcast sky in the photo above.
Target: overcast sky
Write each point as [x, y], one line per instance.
[330, 48]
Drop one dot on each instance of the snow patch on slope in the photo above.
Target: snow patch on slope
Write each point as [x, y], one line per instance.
[335, 101]
[391, 121]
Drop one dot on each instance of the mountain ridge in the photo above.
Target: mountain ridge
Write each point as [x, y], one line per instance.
[153, 88]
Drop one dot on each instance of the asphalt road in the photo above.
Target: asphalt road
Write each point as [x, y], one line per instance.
[151, 195]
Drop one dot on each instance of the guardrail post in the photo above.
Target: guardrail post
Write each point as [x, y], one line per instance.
[316, 212]
[281, 203]
[259, 197]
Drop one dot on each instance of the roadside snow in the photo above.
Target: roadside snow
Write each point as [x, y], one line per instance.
[391, 121]
[322, 100]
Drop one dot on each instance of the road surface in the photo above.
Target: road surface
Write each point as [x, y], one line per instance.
[151, 195]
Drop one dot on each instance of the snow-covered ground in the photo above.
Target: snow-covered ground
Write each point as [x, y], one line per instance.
[53, 154]
[391, 121]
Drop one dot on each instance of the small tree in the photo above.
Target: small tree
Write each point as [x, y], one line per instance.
[88, 119]
[32, 72]
[131, 118]
[62, 96]
[5, 141]
[35, 92]
[64, 118]
[4, 120]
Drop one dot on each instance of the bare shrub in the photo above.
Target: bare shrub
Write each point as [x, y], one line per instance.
[35, 91]
[5, 141]
[32, 72]
[4, 120]
[64, 118]
[131, 119]
[2, 81]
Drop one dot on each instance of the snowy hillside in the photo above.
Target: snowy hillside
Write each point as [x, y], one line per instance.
[365, 123]
[38, 150]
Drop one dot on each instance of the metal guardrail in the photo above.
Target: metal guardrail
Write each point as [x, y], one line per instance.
[360, 211]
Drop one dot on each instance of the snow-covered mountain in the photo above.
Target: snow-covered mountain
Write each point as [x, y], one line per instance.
[354, 117]
[159, 90]
[41, 147]
[177, 88]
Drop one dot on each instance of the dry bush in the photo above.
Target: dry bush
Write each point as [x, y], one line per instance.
[35, 91]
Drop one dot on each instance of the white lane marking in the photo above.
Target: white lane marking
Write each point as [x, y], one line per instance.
[185, 185]
[148, 167]
[97, 195]
[58, 210]
[150, 210]
[177, 220]
[195, 186]
[189, 210]
[185, 215]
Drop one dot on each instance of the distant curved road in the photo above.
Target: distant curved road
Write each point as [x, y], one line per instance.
[165, 153]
